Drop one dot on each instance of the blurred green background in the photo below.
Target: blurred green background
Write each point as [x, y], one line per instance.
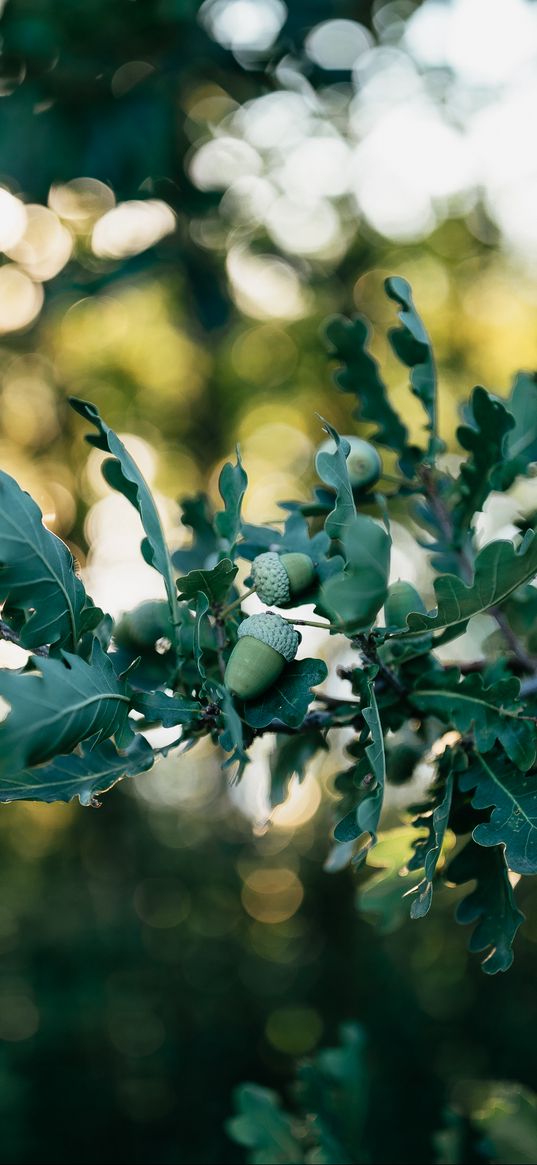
[186, 191]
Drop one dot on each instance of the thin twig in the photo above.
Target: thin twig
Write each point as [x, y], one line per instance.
[312, 623]
[236, 603]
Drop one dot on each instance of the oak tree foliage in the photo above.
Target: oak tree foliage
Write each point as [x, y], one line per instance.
[78, 713]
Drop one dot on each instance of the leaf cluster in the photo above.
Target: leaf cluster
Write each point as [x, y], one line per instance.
[80, 711]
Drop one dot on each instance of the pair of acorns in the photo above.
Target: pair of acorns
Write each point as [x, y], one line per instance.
[266, 642]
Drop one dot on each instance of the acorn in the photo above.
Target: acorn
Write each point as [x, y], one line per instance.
[402, 598]
[363, 461]
[141, 628]
[278, 578]
[265, 644]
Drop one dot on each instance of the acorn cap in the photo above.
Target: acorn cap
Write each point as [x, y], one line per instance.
[271, 579]
[277, 578]
[274, 631]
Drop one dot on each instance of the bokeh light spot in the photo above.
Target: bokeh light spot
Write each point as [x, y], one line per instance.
[132, 227]
[337, 44]
[244, 24]
[20, 299]
[13, 219]
[272, 895]
[294, 1030]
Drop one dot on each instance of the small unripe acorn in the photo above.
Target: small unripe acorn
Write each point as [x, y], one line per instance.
[402, 598]
[278, 578]
[266, 643]
[142, 627]
[363, 461]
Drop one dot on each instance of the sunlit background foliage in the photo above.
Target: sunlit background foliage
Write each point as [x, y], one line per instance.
[186, 191]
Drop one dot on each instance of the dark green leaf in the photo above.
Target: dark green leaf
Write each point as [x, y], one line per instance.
[484, 439]
[231, 737]
[332, 469]
[271, 1136]
[288, 699]
[428, 849]
[290, 758]
[37, 575]
[295, 539]
[412, 346]
[521, 443]
[499, 569]
[353, 597]
[85, 775]
[168, 710]
[491, 906]
[232, 486]
[54, 709]
[334, 1089]
[383, 897]
[258, 539]
[513, 821]
[198, 515]
[214, 583]
[360, 375]
[124, 476]
[491, 711]
[365, 818]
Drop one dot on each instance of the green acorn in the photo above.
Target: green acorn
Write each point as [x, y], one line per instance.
[266, 643]
[363, 461]
[402, 598]
[278, 578]
[141, 628]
